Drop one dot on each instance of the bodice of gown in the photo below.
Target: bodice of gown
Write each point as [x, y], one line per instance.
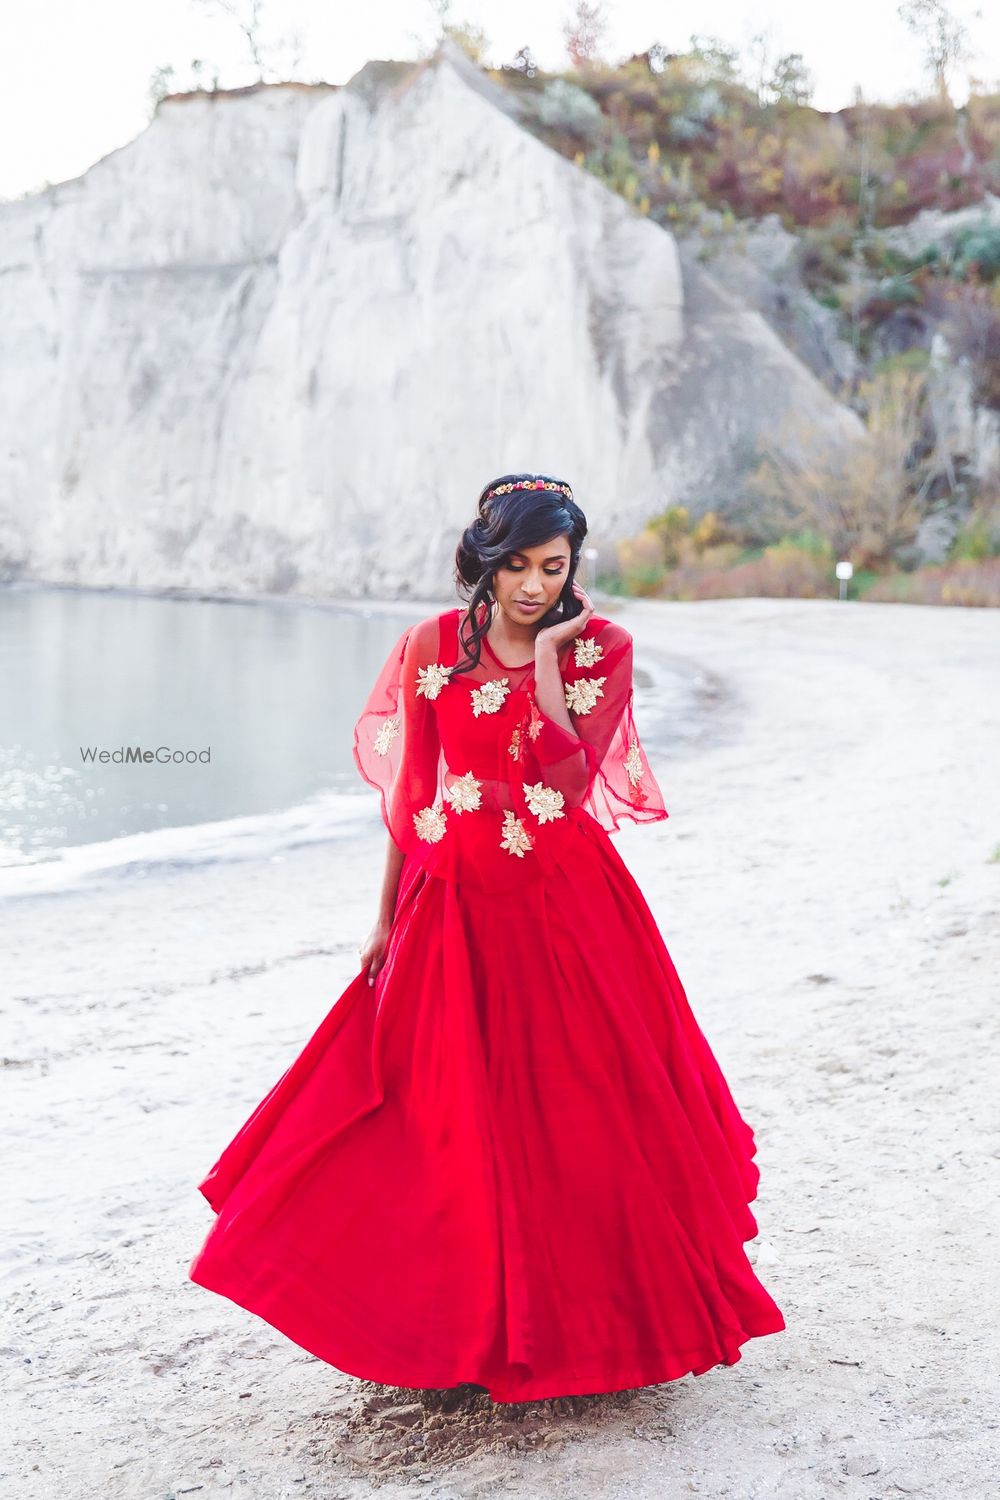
[477, 782]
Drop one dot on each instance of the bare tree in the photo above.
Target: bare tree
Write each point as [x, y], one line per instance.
[776, 78]
[869, 500]
[584, 31]
[249, 18]
[760, 62]
[945, 39]
[472, 39]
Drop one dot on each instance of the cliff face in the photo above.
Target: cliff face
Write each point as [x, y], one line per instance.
[281, 340]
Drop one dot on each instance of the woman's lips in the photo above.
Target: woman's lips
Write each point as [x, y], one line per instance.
[521, 604]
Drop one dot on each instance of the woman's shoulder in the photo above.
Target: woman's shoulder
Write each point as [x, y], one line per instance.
[434, 630]
[429, 635]
[610, 633]
[602, 643]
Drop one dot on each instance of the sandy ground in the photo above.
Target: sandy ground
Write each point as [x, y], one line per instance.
[829, 886]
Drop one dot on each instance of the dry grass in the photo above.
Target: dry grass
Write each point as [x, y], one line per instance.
[968, 582]
[783, 571]
[675, 557]
[663, 563]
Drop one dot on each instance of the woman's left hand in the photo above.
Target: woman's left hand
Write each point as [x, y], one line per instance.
[567, 630]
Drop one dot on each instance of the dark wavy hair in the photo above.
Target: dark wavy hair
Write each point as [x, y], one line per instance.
[506, 524]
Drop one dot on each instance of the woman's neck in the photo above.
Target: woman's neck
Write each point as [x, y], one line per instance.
[509, 640]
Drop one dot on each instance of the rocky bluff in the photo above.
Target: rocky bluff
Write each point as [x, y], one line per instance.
[281, 340]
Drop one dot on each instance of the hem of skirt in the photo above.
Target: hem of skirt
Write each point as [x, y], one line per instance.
[655, 1371]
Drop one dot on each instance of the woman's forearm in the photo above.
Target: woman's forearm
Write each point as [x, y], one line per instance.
[570, 776]
[550, 695]
[394, 857]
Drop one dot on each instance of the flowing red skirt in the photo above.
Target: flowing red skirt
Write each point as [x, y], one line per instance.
[513, 1161]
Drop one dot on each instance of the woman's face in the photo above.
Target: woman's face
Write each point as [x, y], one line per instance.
[528, 584]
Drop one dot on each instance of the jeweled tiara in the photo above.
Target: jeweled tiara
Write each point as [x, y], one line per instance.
[528, 484]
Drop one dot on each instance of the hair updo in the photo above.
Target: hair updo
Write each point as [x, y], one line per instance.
[508, 523]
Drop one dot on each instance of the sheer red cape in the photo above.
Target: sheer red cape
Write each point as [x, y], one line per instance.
[427, 734]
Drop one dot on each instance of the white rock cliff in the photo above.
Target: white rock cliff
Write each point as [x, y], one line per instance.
[281, 340]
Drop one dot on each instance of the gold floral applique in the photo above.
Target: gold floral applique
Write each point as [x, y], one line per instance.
[514, 748]
[488, 698]
[430, 680]
[544, 801]
[587, 652]
[535, 722]
[633, 763]
[465, 793]
[387, 733]
[514, 837]
[430, 823]
[584, 693]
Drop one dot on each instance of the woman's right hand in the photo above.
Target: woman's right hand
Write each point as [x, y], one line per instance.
[372, 950]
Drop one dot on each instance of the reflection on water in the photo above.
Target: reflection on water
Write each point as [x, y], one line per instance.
[271, 691]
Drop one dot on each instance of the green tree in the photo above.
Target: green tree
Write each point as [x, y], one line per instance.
[791, 82]
[161, 83]
[523, 62]
[715, 59]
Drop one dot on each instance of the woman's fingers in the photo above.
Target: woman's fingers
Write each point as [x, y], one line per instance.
[373, 964]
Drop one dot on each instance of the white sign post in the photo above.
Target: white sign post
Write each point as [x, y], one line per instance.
[845, 570]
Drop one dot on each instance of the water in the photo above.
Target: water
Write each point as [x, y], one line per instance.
[271, 693]
[263, 695]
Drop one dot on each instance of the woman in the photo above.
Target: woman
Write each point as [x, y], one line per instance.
[507, 1157]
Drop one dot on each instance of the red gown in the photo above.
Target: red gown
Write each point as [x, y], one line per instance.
[514, 1160]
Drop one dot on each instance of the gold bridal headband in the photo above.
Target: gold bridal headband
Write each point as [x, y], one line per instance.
[528, 484]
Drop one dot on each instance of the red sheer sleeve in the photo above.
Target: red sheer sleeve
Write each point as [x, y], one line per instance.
[603, 767]
[396, 742]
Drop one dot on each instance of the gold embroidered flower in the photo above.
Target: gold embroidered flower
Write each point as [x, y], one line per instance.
[387, 733]
[544, 801]
[430, 680]
[587, 651]
[430, 824]
[465, 793]
[633, 763]
[535, 723]
[514, 837]
[488, 698]
[514, 748]
[583, 694]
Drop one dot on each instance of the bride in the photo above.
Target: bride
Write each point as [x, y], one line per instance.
[507, 1156]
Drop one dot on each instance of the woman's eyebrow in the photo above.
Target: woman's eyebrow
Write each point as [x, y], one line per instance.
[553, 557]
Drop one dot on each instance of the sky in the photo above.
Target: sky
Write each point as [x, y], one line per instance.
[75, 74]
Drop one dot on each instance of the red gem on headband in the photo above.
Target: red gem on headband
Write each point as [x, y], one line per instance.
[529, 484]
